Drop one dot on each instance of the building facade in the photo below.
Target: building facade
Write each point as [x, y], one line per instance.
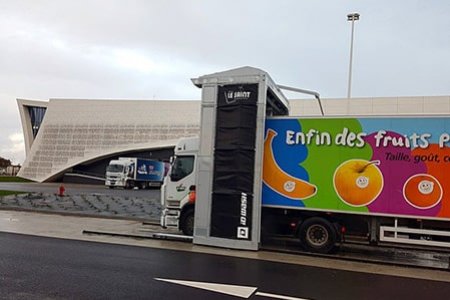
[74, 135]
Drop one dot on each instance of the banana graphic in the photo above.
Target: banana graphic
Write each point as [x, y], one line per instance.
[278, 180]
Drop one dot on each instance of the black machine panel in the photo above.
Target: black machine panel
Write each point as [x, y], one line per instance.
[234, 161]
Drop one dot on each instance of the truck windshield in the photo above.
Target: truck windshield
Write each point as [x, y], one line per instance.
[114, 168]
[182, 167]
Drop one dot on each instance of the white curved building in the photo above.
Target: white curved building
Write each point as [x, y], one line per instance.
[64, 133]
[80, 136]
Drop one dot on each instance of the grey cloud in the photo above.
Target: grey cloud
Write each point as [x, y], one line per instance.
[62, 49]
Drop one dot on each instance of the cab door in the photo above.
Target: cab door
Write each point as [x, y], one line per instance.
[180, 178]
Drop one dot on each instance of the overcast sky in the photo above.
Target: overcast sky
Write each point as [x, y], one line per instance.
[150, 49]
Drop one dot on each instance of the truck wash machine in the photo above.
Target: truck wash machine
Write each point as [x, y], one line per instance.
[234, 107]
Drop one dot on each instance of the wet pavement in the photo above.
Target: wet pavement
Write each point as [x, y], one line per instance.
[69, 269]
[141, 208]
[433, 259]
[72, 227]
[387, 254]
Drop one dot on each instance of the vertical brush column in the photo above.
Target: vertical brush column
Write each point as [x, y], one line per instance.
[234, 161]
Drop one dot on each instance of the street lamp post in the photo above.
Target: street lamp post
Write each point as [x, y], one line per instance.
[351, 17]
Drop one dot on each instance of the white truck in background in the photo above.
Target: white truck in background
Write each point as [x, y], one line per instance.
[130, 172]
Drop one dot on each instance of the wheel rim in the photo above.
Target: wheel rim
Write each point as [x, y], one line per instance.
[317, 235]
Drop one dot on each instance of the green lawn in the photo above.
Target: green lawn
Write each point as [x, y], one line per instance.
[13, 179]
[6, 193]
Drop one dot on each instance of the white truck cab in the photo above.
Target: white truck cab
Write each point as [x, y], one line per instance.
[178, 190]
[117, 172]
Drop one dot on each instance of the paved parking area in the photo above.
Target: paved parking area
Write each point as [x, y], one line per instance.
[85, 200]
[75, 189]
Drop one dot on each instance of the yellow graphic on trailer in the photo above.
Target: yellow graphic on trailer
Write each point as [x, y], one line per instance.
[278, 180]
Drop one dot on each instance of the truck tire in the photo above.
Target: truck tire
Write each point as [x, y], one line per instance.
[129, 185]
[187, 222]
[318, 235]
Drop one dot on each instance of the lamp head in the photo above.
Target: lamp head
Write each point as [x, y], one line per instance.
[353, 17]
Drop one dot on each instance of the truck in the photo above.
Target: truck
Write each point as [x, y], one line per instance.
[130, 172]
[383, 179]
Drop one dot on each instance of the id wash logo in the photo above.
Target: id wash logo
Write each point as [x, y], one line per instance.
[242, 230]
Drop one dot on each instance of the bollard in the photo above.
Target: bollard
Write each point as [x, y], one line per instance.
[61, 190]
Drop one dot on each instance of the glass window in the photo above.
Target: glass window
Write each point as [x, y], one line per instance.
[182, 167]
[114, 168]
[36, 116]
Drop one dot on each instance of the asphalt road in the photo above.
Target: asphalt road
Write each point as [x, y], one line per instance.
[145, 205]
[76, 189]
[46, 268]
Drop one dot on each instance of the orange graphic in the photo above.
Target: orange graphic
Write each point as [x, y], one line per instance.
[278, 180]
[422, 191]
[440, 171]
[358, 182]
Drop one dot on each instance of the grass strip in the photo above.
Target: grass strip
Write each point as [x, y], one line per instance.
[13, 179]
[7, 193]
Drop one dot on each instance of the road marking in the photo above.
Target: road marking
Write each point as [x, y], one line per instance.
[278, 296]
[233, 290]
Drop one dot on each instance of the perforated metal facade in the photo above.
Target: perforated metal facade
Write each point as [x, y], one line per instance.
[76, 131]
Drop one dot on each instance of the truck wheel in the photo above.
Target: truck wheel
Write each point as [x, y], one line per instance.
[187, 222]
[318, 235]
[129, 185]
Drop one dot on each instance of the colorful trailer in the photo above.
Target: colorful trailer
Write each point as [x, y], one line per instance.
[394, 168]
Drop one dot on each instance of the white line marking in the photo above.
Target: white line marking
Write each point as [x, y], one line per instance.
[278, 296]
[233, 290]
